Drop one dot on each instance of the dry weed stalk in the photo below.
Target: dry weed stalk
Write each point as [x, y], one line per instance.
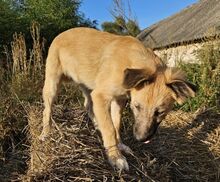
[119, 10]
[36, 54]
[24, 64]
[19, 55]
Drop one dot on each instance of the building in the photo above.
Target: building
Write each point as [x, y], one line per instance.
[177, 37]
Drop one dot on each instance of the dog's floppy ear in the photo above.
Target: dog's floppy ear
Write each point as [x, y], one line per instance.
[182, 90]
[135, 77]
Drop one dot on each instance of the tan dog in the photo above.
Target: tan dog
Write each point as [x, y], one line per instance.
[109, 68]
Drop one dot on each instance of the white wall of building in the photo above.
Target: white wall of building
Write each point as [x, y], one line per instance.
[173, 56]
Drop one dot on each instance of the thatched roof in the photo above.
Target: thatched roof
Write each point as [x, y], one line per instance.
[192, 24]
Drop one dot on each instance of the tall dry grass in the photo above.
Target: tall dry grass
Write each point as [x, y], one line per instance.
[21, 79]
[24, 62]
[27, 65]
[21, 83]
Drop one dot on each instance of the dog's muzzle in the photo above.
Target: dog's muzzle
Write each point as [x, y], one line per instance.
[147, 135]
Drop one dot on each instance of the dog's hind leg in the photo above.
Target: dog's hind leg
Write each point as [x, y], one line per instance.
[88, 103]
[116, 111]
[51, 84]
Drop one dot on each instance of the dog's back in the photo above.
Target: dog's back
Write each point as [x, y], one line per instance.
[80, 52]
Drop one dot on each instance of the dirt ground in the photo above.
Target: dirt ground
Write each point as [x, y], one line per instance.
[186, 148]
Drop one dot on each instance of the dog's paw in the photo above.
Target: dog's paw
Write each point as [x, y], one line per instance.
[124, 148]
[119, 162]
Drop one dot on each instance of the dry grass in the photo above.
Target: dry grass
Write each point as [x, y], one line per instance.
[186, 148]
[27, 63]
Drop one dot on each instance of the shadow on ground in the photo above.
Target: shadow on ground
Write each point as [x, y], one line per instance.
[187, 148]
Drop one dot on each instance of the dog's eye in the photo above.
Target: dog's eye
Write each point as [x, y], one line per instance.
[158, 113]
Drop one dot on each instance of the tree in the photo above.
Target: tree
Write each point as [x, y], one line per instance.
[121, 27]
[124, 23]
[54, 16]
[9, 22]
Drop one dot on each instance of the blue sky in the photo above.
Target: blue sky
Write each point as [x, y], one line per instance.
[147, 12]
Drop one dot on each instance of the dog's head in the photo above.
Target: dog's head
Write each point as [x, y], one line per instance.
[153, 96]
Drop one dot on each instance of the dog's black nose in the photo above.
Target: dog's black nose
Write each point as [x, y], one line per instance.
[144, 139]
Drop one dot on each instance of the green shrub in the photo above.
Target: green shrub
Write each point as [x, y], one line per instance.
[206, 75]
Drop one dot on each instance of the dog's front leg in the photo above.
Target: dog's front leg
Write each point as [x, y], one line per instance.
[101, 107]
[116, 111]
